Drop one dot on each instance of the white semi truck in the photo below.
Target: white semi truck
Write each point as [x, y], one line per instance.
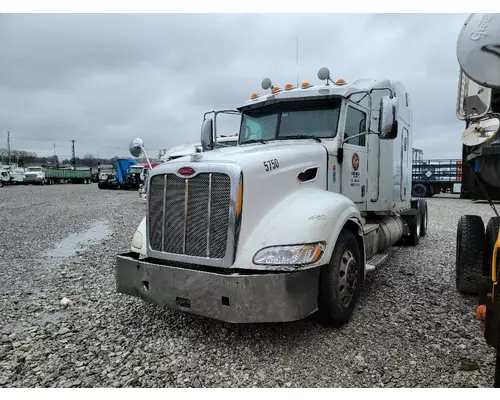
[291, 220]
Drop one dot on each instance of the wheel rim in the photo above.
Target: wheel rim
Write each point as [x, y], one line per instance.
[348, 278]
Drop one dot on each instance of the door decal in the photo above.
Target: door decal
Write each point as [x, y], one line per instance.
[355, 161]
[354, 173]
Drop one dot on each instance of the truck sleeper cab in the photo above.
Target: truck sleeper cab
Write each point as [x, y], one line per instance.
[291, 220]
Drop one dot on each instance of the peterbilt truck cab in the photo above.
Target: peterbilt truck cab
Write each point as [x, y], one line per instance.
[290, 221]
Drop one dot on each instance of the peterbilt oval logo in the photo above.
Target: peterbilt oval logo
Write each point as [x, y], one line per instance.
[186, 171]
[355, 161]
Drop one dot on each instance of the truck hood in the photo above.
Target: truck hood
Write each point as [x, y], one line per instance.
[270, 174]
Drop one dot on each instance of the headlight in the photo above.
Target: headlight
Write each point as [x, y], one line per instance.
[137, 240]
[300, 254]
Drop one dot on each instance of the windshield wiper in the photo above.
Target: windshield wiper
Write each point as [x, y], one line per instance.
[255, 141]
[301, 137]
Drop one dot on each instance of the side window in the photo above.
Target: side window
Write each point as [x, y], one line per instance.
[354, 125]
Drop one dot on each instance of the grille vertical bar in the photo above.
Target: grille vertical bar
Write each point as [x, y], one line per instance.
[186, 210]
[209, 210]
[163, 222]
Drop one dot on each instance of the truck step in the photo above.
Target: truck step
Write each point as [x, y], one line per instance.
[375, 261]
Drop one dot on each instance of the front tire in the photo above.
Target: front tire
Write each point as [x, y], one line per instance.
[340, 281]
[470, 249]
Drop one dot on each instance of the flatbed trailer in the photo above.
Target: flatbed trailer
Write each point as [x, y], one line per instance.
[430, 177]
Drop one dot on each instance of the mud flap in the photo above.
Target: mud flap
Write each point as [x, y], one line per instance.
[492, 323]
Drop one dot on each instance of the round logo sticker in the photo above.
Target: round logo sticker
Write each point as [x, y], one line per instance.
[355, 161]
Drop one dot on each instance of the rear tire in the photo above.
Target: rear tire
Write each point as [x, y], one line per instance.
[340, 281]
[424, 220]
[415, 224]
[420, 190]
[471, 243]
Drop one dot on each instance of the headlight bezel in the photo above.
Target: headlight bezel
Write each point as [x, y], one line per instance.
[318, 249]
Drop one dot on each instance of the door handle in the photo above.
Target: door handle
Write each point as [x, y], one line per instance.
[362, 190]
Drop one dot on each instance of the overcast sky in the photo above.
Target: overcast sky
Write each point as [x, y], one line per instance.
[105, 79]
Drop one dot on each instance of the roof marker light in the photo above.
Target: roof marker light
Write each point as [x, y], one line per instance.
[254, 96]
[305, 85]
[289, 86]
[276, 89]
[340, 82]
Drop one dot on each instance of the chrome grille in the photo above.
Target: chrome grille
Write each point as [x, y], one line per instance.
[190, 216]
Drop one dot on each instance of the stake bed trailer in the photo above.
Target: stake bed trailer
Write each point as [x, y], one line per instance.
[291, 220]
[432, 177]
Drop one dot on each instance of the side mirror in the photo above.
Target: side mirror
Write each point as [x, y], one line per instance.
[480, 132]
[136, 147]
[388, 118]
[207, 134]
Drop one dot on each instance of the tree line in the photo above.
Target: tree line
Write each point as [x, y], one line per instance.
[25, 158]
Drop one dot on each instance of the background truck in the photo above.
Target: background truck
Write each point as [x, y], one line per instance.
[137, 175]
[115, 181]
[430, 177]
[291, 220]
[49, 176]
[478, 248]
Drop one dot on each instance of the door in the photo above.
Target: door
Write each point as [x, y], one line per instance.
[355, 163]
[406, 168]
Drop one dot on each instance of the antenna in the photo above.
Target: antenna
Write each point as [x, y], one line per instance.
[297, 60]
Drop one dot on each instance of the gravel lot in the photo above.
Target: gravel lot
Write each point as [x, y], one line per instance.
[411, 328]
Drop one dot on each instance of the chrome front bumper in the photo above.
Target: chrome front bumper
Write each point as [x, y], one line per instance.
[236, 298]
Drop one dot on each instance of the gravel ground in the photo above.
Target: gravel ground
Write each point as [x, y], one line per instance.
[411, 328]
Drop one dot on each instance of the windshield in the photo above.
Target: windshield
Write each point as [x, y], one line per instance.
[135, 170]
[313, 119]
[225, 143]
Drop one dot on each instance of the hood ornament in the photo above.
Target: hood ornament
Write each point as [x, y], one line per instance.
[196, 157]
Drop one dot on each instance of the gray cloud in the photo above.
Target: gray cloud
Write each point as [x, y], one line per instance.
[104, 79]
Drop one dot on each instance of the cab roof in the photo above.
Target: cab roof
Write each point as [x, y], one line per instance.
[307, 91]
